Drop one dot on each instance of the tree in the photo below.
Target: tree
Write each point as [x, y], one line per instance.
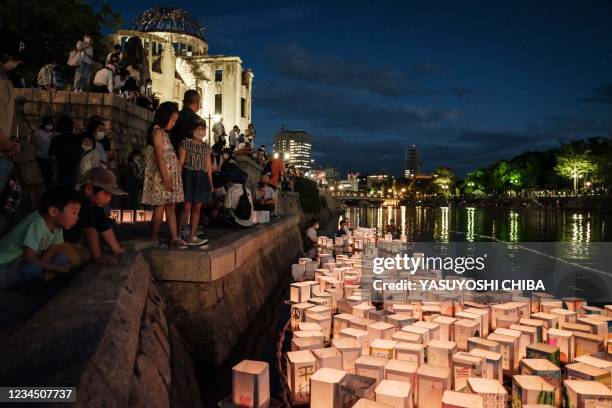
[51, 28]
[444, 177]
[574, 164]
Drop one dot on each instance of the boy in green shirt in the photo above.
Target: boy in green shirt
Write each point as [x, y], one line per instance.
[31, 250]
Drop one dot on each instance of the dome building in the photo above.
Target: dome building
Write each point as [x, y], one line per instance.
[178, 59]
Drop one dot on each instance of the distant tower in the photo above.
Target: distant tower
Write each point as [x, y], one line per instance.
[413, 162]
[294, 147]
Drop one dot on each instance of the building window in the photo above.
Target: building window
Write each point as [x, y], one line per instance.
[218, 75]
[218, 104]
[243, 107]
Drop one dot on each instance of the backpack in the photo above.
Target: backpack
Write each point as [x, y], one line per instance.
[243, 208]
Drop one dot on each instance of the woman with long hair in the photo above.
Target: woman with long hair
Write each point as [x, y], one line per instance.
[163, 187]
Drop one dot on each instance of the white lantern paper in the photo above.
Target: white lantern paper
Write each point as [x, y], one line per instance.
[466, 365]
[329, 357]
[251, 384]
[300, 367]
[494, 395]
[369, 366]
[325, 388]
[350, 350]
[440, 352]
[432, 381]
[397, 394]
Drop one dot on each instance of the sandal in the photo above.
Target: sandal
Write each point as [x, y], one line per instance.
[179, 244]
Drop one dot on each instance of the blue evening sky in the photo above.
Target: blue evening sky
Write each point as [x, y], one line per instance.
[468, 82]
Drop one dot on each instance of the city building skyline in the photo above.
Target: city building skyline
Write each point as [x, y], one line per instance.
[294, 147]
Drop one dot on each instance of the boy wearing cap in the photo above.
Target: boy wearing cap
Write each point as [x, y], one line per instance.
[99, 185]
[32, 249]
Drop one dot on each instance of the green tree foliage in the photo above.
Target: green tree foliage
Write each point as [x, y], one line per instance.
[575, 162]
[51, 28]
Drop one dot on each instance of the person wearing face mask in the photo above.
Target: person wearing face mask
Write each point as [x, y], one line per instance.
[83, 71]
[186, 119]
[96, 130]
[89, 158]
[46, 76]
[194, 160]
[41, 141]
[11, 55]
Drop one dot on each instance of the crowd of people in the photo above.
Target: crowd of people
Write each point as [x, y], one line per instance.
[177, 174]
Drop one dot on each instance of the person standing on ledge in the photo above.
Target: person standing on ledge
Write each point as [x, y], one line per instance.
[183, 129]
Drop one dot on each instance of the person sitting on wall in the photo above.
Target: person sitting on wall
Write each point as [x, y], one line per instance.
[104, 80]
[98, 186]
[32, 249]
[237, 205]
[310, 243]
[343, 230]
[265, 196]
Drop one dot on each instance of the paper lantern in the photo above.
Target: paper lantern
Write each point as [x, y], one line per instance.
[580, 393]
[362, 309]
[506, 321]
[509, 350]
[564, 315]
[297, 314]
[493, 363]
[454, 399]
[298, 272]
[325, 388]
[323, 321]
[382, 348]
[251, 384]
[485, 317]
[309, 327]
[598, 327]
[323, 310]
[447, 327]
[583, 371]
[341, 321]
[531, 389]
[141, 216]
[360, 323]
[361, 336]
[434, 329]
[484, 344]
[148, 215]
[538, 324]
[597, 361]
[545, 351]
[381, 330]
[588, 310]
[301, 365]
[550, 322]
[299, 292]
[406, 337]
[350, 349]
[493, 394]
[329, 357]
[400, 320]
[370, 366]
[440, 352]
[464, 329]
[422, 331]
[465, 315]
[466, 365]
[116, 216]
[306, 343]
[521, 340]
[587, 344]
[565, 341]
[355, 387]
[432, 381]
[547, 305]
[545, 369]
[529, 334]
[397, 394]
[536, 298]
[365, 403]
[573, 304]
[410, 352]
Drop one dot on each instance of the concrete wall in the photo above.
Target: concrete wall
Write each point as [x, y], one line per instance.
[214, 295]
[128, 121]
[106, 333]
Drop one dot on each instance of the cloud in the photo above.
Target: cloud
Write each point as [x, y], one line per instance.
[428, 68]
[599, 95]
[240, 23]
[294, 62]
[337, 109]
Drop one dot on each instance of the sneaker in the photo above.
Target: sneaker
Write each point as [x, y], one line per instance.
[195, 241]
[179, 244]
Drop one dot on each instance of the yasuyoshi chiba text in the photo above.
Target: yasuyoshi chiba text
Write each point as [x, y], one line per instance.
[459, 284]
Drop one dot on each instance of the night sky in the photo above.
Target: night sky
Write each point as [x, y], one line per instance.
[468, 82]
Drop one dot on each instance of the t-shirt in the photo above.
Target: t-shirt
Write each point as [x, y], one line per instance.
[234, 193]
[311, 234]
[183, 127]
[90, 216]
[32, 233]
[42, 138]
[267, 193]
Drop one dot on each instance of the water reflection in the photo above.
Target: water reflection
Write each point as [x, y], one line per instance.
[450, 224]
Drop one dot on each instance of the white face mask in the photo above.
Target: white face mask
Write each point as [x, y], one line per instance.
[200, 134]
[49, 127]
[149, 86]
[226, 156]
[100, 135]
[86, 147]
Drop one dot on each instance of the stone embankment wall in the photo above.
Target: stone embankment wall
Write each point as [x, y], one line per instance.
[214, 295]
[128, 121]
[107, 335]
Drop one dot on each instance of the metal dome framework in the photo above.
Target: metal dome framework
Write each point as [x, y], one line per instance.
[167, 19]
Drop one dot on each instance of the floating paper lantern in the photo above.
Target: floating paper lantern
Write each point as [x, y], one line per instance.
[509, 351]
[397, 394]
[573, 304]
[484, 344]
[493, 394]
[355, 387]
[538, 324]
[531, 389]
[361, 336]
[493, 363]
[564, 315]
[141, 216]
[325, 388]
[587, 344]
[522, 341]
[580, 393]
[116, 216]
[464, 329]
[440, 352]
[466, 365]
[410, 352]
[350, 349]
[381, 330]
[545, 351]
[485, 317]
[306, 343]
[309, 326]
[323, 321]
[366, 403]
[550, 322]
[362, 309]
[432, 381]
[360, 323]
[341, 321]
[563, 339]
[422, 331]
[323, 310]
[382, 348]
[548, 305]
[434, 329]
[406, 337]
[582, 371]
[505, 322]
[536, 298]
[478, 318]
[329, 357]
[301, 365]
[529, 334]
[299, 292]
[454, 399]
[545, 369]
[297, 314]
[251, 384]
[447, 327]
[370, 366]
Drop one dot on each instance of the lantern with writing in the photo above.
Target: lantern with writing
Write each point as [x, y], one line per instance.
[251, 384]
[300, 367]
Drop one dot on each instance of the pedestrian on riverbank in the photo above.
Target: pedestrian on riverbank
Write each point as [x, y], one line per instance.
[41, 141]
[83, 70]
[195, 162]
[163, 187]
[311, 239]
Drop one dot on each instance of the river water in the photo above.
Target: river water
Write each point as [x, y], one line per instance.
[431, 224]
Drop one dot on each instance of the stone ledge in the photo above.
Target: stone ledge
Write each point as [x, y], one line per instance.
[87, 336]
[209, 265]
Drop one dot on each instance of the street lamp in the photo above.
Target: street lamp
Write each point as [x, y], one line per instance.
[212, 119]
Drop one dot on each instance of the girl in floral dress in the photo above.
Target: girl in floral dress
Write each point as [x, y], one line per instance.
[163, 187]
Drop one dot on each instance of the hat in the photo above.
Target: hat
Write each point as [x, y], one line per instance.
[102, 178]
[12, 46]
[264, 179]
